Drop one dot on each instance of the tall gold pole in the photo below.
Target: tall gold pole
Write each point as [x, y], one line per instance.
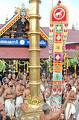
[34, 101]
[34, 50]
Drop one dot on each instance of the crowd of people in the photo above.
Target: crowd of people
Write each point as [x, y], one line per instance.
[13, 92]
[70, 101]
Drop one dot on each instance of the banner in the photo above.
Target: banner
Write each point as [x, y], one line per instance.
[58, 19]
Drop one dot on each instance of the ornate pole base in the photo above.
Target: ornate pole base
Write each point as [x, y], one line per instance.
[32, 113]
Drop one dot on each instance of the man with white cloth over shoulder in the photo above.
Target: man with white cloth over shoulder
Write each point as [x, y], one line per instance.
[70, 108]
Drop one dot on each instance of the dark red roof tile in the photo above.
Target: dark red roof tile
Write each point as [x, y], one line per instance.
[18, 52]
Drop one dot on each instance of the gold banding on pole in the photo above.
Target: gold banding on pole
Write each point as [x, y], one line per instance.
[34, 49]
[34, 33]
[34, 66]
[35, 83]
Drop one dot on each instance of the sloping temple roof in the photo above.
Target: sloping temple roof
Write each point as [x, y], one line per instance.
[14, 19]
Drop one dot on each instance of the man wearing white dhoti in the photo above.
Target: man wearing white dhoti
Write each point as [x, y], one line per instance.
[10, 107]
[70, 108]
[19, 96]
[70, 111]
[9, 96]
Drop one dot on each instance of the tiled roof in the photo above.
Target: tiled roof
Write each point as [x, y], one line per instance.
[73, 53]
[20, 52]
[73, 35]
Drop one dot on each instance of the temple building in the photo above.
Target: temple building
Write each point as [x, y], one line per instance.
[14, 40]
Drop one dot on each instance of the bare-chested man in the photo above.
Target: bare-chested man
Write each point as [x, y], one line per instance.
[13, 79]
[9, 96]
[70, 108]
[48, 114]
[1, 93]
[26, 92]
[19, 95]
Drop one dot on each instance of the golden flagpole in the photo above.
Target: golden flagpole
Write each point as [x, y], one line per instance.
[35, 100]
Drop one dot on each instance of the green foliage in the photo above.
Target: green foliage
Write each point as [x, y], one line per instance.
[71, 62]
[2, 66]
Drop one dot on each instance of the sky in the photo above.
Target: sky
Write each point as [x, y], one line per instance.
[7, 8]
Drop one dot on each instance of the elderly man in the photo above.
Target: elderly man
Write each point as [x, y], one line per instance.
[58, 115]
[49, 115]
